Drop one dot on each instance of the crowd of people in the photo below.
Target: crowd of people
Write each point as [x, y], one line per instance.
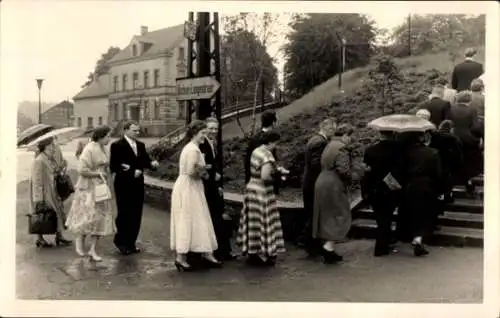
[413, 172]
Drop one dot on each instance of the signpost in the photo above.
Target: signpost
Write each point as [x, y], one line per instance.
[196, 88]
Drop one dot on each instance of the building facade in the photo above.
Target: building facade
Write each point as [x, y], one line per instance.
[60, 115]
[91, 104]
[142, 81]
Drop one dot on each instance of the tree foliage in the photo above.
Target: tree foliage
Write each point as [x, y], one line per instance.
[312, 53]
[101, 66]
[384, 78]
[239, 66]
[438, 32]
[246, 61]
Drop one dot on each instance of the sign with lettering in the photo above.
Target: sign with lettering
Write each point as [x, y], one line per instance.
[196, 88]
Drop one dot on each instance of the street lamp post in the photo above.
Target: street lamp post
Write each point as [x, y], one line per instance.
[39, 82]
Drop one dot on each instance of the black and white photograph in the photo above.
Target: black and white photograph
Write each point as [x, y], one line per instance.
[259, 154]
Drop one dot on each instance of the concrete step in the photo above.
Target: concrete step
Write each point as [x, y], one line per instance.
[466, 205]
[454, 219]
[459, 192]
[446, 236]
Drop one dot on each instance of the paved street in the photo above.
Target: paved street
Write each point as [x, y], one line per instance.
[447, 275]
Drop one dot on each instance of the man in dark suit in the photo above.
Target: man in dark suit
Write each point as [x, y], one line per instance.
[213, 193]
[465, 72]
[312, 169]
[465, 121]
[268, 121]
[383, 196]
[128, 161]
[438, 108]
[422, 184]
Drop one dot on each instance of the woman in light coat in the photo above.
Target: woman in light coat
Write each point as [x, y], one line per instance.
[332, 211]
[43, 189]
[86, 216]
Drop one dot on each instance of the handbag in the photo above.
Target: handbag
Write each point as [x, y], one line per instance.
[102, 191]
[43, 221]
[64, 186]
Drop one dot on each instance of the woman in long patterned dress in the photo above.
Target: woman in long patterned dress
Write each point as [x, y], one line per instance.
[191, 228]
[332, 211]
[260, 235]
[86, 216]
[43, 190]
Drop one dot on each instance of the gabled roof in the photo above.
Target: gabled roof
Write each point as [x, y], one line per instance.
[99, 88]
[160, 41]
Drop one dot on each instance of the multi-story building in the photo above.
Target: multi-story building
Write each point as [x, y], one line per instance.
[60, 115]
[143, 77]
[91, 104]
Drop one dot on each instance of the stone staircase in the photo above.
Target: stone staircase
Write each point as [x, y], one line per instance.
[461, 225]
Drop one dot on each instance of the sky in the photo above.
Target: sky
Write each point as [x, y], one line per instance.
[60, 41]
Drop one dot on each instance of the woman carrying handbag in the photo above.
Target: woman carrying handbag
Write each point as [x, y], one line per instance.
[91, 212]
[46, 205]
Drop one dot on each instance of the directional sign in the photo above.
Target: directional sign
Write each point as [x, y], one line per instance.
[196, 88]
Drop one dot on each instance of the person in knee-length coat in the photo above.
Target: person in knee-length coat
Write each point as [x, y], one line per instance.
[312, 168]
[332, 209]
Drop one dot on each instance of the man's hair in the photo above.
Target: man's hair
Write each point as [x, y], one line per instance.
[344, 129]
[438, 90]
[268, 118]
[129, 123]
[328, 123]
[442, 81]
[463, 97]
[476, 85]
[470, 52]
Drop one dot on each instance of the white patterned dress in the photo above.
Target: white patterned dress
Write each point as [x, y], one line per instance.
[191, 228]
[87, 216]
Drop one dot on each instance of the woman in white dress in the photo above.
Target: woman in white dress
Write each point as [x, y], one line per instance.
[191, 226]
[86, 216]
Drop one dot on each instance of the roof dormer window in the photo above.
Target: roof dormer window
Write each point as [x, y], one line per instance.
[134, 50]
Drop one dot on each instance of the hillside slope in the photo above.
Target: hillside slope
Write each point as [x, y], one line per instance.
[352, 80]
[300, 119]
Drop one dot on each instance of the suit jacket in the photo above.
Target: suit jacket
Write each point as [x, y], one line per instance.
[312, 161]
[477, 102]
[421, 171]
[464, 73]
[465, 119]
[438, 108]
[380, 157]
[122, 153]
[210, 158]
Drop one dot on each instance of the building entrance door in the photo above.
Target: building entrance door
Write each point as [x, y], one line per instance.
[135, 113]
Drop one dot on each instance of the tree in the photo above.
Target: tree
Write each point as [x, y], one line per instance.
[101, 66]
[383, 81]
[238, 66]
[246, 62]
[439, 32]
[312, 53]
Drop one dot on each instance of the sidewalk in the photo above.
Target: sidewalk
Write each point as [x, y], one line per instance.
[447, 275]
